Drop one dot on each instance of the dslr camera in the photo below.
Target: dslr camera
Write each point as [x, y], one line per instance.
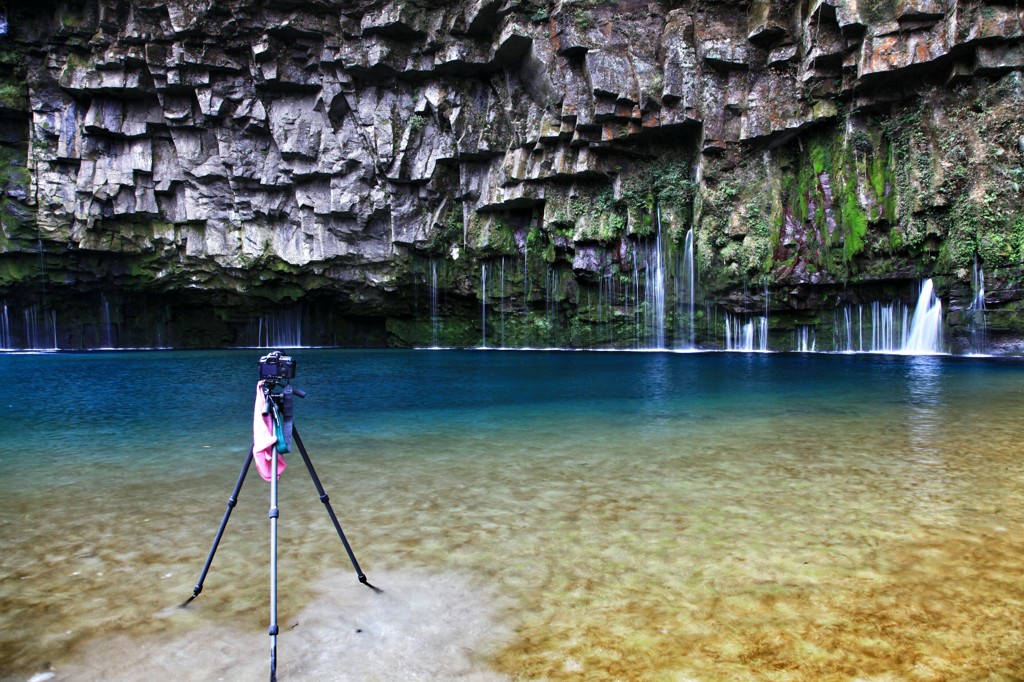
[277, 368]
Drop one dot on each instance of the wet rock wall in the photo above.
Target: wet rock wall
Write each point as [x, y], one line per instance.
[392, 166]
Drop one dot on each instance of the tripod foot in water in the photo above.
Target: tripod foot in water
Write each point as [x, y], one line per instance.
[366, 582]
[325, 498]
[232, 501]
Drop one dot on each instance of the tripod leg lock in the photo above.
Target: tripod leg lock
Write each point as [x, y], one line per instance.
[325, 498]
[273, 630]
[274, 513]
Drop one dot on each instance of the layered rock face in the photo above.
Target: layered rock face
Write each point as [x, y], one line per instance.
[585, 173]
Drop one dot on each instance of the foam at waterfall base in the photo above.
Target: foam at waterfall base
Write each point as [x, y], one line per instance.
[424, 626]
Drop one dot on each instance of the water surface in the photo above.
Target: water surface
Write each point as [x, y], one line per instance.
[619, 516]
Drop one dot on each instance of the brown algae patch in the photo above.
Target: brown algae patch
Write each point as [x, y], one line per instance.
[952, 609]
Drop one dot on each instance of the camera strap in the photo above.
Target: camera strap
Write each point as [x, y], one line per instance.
[285, 423]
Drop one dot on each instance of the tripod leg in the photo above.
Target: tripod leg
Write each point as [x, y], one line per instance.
[330, 510]
[220, 531]
[274, 513]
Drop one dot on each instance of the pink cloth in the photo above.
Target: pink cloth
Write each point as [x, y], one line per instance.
[264, 439]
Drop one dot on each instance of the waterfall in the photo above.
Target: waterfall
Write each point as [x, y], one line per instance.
[925, 335]
[108, 337]
[839, 315]
[654, 286]
[279, 329]
[434, 321]
[483, 304]
[806, 341]
[763, 322]
[552, 306]
[501, 294]
[40, 329]
[843, 338]
[860, 327]
[634, 289]
[892, 327]
[888, 326]
[709, 317]
[750, 334]
[686, 295]
[526, 289]
[746, 335]
[5, 330]
[606, 300]
[33, 329]
[526, 265]
[979, 324]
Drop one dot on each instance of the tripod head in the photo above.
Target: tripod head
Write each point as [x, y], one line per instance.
[281, 393]
[276, 370]
[276, 367]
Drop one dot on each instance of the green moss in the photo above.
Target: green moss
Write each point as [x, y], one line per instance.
[12, 168]
[997, 247]
[13, 96]
[820, 156]
[1018, 235]
[855, 225]
[411, 331]
[593, 215]
[583, 19]
[450, 232]
[877, 173]
[961, 243]
[801, 210]
[69, 18]
[895, 239]
[666, 182]
[17, 268]
[78, 61]
[12, 59]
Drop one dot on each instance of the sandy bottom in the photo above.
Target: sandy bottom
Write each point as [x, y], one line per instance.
[875, 543]
[423, 627]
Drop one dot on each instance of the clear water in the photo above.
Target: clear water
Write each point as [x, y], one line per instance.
[530, 515]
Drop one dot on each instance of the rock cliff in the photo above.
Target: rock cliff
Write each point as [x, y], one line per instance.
[578, 173]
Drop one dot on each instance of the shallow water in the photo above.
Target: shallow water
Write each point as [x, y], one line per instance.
[561, 516]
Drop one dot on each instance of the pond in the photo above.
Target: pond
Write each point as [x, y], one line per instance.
[529, 515]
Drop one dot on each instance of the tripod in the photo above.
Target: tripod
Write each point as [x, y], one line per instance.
[278, 404]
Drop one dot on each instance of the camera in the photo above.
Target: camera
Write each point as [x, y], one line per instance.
[276, 368]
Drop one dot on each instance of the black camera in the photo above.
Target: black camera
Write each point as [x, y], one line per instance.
[277, 368]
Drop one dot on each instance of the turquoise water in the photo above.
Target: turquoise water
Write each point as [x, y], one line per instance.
[627, 515]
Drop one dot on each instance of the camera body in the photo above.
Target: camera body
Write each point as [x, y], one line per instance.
[276, 367]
